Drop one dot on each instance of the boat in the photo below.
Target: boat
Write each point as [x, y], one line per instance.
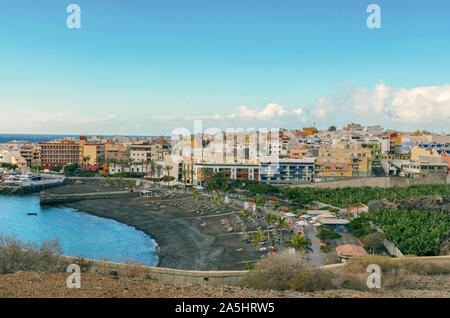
[32, 213]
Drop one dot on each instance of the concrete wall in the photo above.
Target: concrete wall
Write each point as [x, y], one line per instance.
[169, 275]
[390, 247]
[209, 278]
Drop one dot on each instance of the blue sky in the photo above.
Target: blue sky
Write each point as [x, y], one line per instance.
[143, 67]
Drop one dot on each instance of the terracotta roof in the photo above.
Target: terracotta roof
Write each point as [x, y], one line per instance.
[349, 250]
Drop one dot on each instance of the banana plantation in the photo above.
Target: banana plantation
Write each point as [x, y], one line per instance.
[344, 197]
[413, 232]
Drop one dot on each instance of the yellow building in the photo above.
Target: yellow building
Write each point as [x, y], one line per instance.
[417, 152]
[95, 153]
[343, 160]
[115, 151]
[310, 130]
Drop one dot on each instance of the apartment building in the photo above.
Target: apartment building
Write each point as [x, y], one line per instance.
[145, 152]
[59, 152]
[114, 151]
[203, 172]
[287, 170]
[298, 153]
[343, 160]
[425, 169]
[432, 151]
[31, 155]
[94, 152]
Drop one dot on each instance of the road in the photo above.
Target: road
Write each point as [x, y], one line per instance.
[314, 255]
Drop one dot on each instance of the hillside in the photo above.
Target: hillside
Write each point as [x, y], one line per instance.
[54, 285]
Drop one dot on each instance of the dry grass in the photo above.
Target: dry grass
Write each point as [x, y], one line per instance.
[16, 256]
[395, 273]
[288, 272]
[291, 272]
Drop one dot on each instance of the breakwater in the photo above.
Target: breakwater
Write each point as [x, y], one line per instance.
[20, 190]
[47, 198]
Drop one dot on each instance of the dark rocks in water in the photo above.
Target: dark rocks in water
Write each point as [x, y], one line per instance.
[425, 202]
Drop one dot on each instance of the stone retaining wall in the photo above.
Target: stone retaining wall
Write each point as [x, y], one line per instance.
[210, 278]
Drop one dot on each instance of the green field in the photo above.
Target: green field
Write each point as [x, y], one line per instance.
[413, 232]
[343, 197]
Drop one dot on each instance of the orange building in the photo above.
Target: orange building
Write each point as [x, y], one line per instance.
[310, 130]
[446, 160]
[298, 153]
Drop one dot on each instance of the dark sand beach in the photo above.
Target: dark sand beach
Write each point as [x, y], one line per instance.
[183, 242]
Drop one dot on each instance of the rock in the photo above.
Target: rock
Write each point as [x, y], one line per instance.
[114, 273]
[424, 202]
[382, 205]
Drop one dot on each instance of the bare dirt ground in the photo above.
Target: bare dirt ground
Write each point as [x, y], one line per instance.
[97, 286]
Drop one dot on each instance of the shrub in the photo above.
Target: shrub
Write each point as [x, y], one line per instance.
[374, 240]
[18, 256]
[396, 273]
[84, 264]
[287, 271]
[327, 235]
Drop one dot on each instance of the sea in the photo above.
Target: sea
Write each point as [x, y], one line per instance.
[79, 233]
[34, 138]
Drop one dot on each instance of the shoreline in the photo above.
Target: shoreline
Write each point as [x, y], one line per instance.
[182, 242]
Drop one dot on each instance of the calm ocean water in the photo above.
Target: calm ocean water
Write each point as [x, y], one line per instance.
[36, 138]
[79, 233]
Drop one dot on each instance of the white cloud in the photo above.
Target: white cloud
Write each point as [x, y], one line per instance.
[398, 108]
[271, 116]
[67, 122]
[415, 108]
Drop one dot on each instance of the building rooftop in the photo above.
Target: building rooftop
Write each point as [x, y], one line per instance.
[332, 220]
[350, 250]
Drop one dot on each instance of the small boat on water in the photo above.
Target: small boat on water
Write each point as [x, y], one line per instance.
[32, 213]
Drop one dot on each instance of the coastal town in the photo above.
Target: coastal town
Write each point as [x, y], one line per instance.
[227, 156]
[254, 194]
[303, 156]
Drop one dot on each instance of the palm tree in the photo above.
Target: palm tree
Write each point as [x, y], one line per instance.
[258, 201]
[99, 162]
[115, 163]
[206, 172]
[184, 173]
[86, 160]
[123, 163]
[152, 167]
[107, 163]
[159, 168]
[147, 162]
[282, 223]
[168, 168]
[299, 242]
[270, 219]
